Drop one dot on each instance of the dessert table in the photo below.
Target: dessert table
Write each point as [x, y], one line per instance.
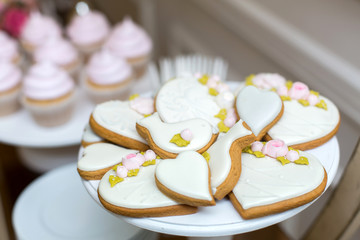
[222, 220]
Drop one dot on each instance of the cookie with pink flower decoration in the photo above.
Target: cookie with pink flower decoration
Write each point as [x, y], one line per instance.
[276, 178]
[115, 121]
[99, 158]
[309, 119]
[170, 139]
[129, 189]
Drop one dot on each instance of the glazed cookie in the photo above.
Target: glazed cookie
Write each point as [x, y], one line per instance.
[309, 119]
[115, 121]
[174, 138]
[129, 189]
[189, 97]
[276, 178]
[225, 159]
[185, 179]
[89, 137]
[260, 109]
[99, 158]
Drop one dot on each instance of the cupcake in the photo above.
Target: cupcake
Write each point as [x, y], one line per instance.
[60, 52]
[9, 50]
[107, 77]
[10, 85]
[37, 29]
[48, 94]
[88, 32]
[130, 41]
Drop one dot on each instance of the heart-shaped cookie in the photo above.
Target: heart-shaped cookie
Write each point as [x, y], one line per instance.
[266, 186]
[198, 134]
[306, 127]
[260, 109]
[138, 196]
[186, 179]
[98, 158]
[115, 121]
[186, 98]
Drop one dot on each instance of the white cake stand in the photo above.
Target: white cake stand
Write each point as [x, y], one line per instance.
[56, 206]
[43, 148]
[222, 219]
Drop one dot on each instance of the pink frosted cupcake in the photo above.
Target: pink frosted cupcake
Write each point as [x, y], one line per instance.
[10, 85]
[61, 52]
[48, 94]
[130, 41]
[37, 30]
[9, 50]
[88, 32]
[107, 77]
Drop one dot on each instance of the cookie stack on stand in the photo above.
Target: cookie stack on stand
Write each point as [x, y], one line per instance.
[197, 142]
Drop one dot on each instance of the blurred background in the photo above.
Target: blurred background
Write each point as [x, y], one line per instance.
[316, 42]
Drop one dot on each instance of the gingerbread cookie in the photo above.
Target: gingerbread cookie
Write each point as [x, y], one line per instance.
[170, 139]
[185, 179]
[129, 189]
[259, 119]
[99, 158]
[225, 159]
[89, 137]
[189, 97]
[309, 119]
[276, 178]
[115, 121]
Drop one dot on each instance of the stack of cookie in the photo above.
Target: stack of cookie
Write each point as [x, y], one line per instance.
[197, 142]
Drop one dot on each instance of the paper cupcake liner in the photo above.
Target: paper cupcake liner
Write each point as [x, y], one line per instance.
[9, 102]
[98, 95]
[52, 114]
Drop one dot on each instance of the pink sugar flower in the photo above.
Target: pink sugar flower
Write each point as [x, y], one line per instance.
[275, 148]
[299, 90]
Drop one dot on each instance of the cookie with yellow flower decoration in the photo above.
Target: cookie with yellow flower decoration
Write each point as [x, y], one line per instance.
[309, 119]
[276, 178]
[170, 139]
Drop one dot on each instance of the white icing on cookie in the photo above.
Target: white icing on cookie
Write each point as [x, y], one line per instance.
[118, 117]
[162, 133]
[185, 98]
[89, 136]
[265, 181]
[258, 108]
[102, 155]
[300, 124]
[138, 192]
[220, 161]
[188, 175]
